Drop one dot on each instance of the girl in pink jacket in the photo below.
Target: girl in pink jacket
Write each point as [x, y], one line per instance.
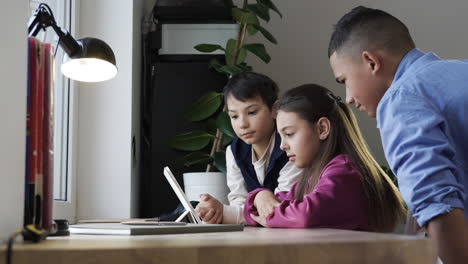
[344, 188]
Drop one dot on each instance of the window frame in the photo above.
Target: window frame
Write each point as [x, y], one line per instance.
[66, 209]
[65, 111]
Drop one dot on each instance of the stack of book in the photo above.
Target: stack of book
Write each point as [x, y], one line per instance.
[39, 142]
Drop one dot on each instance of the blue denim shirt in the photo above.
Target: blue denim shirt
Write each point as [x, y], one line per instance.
[423, 122]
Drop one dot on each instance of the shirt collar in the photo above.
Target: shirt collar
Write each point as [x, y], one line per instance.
[407, 61]
[266, 155]
[411, 61]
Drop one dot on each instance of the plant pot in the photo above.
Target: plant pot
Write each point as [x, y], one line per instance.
[213, 183]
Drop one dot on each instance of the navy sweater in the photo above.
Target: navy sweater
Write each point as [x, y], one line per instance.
[243, 155]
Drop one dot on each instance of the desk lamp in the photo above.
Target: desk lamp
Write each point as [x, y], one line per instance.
[86, 59]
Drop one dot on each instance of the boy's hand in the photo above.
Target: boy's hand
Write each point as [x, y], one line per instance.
[265, 202]
[210, 210]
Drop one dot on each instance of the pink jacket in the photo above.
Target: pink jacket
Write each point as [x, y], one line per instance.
[337, 201]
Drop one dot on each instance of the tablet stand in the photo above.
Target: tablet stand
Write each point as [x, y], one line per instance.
[189, 211]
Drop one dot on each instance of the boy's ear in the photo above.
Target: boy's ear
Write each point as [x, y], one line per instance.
[323, 126]
[274, 109]
[371, 60]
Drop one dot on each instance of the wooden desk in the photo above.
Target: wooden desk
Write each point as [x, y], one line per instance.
[253, 245]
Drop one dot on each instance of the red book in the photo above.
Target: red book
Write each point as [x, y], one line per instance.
[30, 179]
[36, 129]
[48, 134]
[32, 83]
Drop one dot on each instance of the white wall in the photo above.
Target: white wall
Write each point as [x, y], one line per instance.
[109, 113]
[303, 35]
[103, 171]
[13, 73]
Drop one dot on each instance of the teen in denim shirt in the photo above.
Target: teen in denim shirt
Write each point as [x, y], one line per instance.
[420, 102]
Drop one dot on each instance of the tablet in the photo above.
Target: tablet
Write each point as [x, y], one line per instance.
[182, 197]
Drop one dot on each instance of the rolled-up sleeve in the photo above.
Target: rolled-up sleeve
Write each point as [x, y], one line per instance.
[235, 180]
[414, 136]
[233, 213]
[337, 201]
[250, 208]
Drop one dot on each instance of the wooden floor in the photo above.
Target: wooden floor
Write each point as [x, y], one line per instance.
[253, 245]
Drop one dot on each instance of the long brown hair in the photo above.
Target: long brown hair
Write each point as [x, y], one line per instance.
[311, 102]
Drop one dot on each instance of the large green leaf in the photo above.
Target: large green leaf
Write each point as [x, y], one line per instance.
[204, 107]
[270, 5]
[231, 69]
[220, 161]
[252, 30]
[230, 51]
[215, 64]
[241, 56]
[220, 70]
[210, 125]
[244, 16]
[196, 158]
[266, 34]
[207, 48]
[259, 50]
[245, 67]
[227, 140]
[260, 10]
[190, 141]
[223, 122]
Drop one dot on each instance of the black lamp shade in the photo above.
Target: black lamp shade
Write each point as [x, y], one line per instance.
[93, 62]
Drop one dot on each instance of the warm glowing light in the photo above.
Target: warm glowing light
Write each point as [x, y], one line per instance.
[89, 70]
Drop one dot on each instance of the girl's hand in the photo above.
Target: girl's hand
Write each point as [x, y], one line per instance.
[259, 219]
[265, 202]
[210, 210]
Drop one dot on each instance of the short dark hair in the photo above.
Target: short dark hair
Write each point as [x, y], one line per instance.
[248, 85]
[370, 29]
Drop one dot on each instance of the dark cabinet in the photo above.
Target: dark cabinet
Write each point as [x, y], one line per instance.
[171, 83]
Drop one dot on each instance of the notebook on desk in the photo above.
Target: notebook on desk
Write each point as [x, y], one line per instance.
[143, 227]
[133, 230]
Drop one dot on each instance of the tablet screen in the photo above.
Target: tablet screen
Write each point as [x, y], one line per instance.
[180, 194]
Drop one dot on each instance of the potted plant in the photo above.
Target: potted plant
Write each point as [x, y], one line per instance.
[208, 147]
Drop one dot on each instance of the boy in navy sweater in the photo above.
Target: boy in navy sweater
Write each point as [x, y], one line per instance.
[254, 159]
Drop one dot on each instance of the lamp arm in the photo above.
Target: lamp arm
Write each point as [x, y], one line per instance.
[67, 42]
[43, 18]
